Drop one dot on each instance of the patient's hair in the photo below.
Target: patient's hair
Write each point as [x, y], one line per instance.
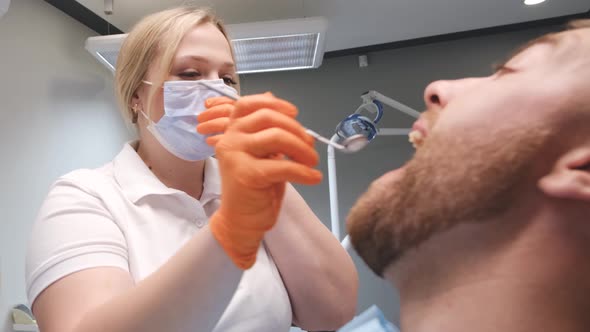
[154, 40]
[579, 24]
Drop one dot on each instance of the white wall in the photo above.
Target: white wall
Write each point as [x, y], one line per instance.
[57, 113]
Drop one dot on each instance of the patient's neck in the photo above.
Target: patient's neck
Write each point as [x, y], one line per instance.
[499, 305]
[507, 277]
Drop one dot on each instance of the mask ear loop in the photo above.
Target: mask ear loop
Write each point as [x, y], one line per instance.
[136, 111]
[135, 115]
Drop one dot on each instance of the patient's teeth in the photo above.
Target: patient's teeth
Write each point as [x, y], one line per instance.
[416, 138]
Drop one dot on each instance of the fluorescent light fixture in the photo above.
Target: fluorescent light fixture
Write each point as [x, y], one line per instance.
[533, 2]
[259, 47]
[278, 45]
[106, 49]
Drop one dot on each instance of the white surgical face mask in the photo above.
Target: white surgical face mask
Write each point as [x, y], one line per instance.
[176, 131]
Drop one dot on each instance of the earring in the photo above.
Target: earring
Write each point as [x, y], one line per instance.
[135, 114]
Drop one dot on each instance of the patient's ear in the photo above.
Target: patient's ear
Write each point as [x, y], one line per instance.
[570, 178]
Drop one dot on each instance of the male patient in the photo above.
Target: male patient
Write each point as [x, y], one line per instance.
[487, 228]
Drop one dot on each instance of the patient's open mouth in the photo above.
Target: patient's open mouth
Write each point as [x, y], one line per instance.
[417, 135]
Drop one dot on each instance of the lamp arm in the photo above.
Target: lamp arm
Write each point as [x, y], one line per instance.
[374, 95]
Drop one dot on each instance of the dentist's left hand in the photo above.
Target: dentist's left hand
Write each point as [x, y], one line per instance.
[259, 131]
[215, 119]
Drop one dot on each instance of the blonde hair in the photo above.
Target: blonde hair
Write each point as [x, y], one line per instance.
[155, 38]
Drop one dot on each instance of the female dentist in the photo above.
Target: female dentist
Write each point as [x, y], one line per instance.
[148, 242]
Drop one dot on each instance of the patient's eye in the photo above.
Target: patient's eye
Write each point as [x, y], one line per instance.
[504, 69]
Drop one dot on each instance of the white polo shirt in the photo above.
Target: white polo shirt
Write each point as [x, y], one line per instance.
[121, 215]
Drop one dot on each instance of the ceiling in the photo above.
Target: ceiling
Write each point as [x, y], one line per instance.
[360, 23]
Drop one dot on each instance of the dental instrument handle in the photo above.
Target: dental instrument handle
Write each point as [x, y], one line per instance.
[324, 140]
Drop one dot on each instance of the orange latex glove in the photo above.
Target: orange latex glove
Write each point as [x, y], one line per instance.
[260, 130]
[215, 119]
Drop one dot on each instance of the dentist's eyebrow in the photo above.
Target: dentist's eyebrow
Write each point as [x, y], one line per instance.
[203, 59]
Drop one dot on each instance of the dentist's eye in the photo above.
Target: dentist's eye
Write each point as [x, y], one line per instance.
[229, 81]
[190, 74]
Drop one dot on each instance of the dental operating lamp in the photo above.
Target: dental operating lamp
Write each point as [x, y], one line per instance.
[354, 133]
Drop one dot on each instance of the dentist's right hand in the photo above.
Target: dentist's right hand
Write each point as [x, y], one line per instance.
[262, 149]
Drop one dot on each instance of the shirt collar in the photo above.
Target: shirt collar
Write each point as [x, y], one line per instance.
[137, 180]
[212, 182]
